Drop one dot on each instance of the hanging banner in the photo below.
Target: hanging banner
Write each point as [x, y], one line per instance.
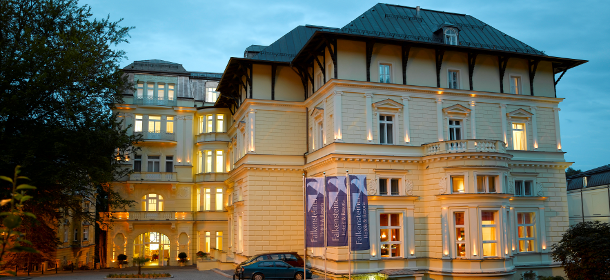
[359, 234]
[314, 199]
[336, 211]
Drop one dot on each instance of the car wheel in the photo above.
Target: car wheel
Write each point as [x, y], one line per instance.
[258, 276]
[298, 276]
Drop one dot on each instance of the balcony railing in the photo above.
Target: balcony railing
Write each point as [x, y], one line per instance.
[152, 216]
[158, 136]
[465, 146]
[154, 176]
[214, 136]
[211, 177]
[145, 100]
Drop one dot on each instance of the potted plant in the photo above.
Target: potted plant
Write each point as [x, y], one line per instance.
[202, 255]
[122, 260]
[139, 261]
[182, 258]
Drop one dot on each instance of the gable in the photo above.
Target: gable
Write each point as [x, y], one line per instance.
[519, 113]
[456, 109]
[387, 104]
[317, 112]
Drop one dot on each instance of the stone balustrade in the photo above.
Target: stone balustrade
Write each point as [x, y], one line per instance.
[152, 216]
[154, 176]
[464, 146]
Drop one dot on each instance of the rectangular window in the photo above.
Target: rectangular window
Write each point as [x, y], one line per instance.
[523, 188]
[75, 234]
[207, 197]
[385, 73]
[219, 199]
[393, 184]
[169, 163]
[489, 233]
[457, 184]
[519, 136]
[140, 90]
[460, 234]
[319, 81]
[200, 161]
[201, 125]
[219, 240]
[526, 231]
[219, 161]
[207, 241]
[208, 161]
[150, 91]
[515, 85]
[138, 126]
[455, 130]
[137, 163]
[211, 95]
[209, 123]
[320, 137]
[198, 199]
[154, 124]
[153, 163]
[453, 79]
[220, 123]
[85, 233]
[170, 92]
[161, 92]
[386, 129]
[169, 128]
[486, 184]
[389, 235]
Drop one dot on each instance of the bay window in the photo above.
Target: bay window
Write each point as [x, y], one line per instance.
[489, 233]
[85, 233]
[219, 161]
[161, 92]
[460, 234]
[154, 124]
[208, 161]
[220, 120]
[200, 161]
[457, 184]
[209, 120]
[207, 200]
[219, 199]
[170, 92]
[486, 184]
[169, 126]
[150, 92]
[198, 199]
[390, 235]
[526, 231]
[138, 126]
[140, 90]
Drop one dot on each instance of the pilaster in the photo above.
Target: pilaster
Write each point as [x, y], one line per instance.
[503, 120]
[439, 118]
[369, 117]
[405, 115]
[338, 118]
[534, 127]
[473, 122]
[557, 131]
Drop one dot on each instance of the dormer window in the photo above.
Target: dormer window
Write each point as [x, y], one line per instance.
[451, 36]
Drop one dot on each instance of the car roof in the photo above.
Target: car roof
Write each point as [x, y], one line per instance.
[294, 253]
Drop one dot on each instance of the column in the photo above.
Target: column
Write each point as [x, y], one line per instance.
[503, 120]
[534, 127]
[369, 117]
[250, 130]
[557, 131]
[405, 118]
[180, 140]
[338, 119]
[505, 234]
[473, 121]
[512, 232]
[410, 232]
[439, 118]
[542, 223]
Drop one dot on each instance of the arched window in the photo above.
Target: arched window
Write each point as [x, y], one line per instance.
[451, 36]
[152, 202]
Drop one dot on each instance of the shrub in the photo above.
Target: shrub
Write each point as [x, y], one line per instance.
[201, 254]
[182, 256]
[122, 259]
[68, 267]
[584, 251]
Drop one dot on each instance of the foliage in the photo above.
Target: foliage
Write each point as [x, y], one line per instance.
[550, 278]
[68, 267]
[368, 276]
[122, 258]
[84, 267]
[571, 171]
[13, 240]
[56, 115]
[584, 251]
[145, 275]
[201, 254]
[182, 256]
[139, 261]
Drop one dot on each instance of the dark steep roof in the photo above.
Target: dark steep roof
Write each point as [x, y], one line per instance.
[156, 65]
[595, 177]
[286, 47]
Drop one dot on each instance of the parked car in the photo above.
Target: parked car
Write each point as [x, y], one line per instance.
[291, 258]
[261, 270]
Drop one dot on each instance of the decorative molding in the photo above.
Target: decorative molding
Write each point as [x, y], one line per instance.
[539, 189]
[387, 105]
[519, 113]
[442, 185]
[317, 113]
[408, 187]
[184, 192]
[456, 109]
[371, 188]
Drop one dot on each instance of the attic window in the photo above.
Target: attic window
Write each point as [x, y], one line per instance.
[451, 36]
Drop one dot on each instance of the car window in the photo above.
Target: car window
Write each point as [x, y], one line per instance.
[281, 264]
[260, 258]
[277, 256]
[290, 257]
[265, 264]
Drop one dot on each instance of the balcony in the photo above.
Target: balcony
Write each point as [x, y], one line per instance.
[154, 176]
[465, 146]
[211, 177]
[167, 215]
[151, 101]
[213, 136]
[158, 137]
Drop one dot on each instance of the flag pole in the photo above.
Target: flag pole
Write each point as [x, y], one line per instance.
[304, 228]
[325, 233]
[349, 226]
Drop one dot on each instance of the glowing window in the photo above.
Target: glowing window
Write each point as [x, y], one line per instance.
[389, 235]
[489, 233]
[457, 184]
[519, 142]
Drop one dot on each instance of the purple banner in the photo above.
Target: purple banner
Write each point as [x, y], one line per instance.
[314, 199]
[359, 234]
[336, 211]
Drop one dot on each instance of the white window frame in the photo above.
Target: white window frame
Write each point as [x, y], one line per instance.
[525, 131]
[388, 180]
[169, 124]
[211, 95]
[209, 160]
[458, 79]
[388, 75]
[207, 199]
[450, 39]
[497, 182]
[220, 122]
[319, 80]
[140, 90]
[497, 225]
[200, 167]
[523, 180]
[534, 230]
[449, 182]
[139, 123]
[512, 87]
[320, 133]
[151, 163]
[461, 127]
[159, 202]
[219, 157]
[402, 235]
[201, 124]
[209, 123]
[218, 199]
[394, 123]
[452, 233]
[154, 124]
[85, 233]
[219, 236]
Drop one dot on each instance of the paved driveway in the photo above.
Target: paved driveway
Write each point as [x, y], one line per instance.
[186, 273]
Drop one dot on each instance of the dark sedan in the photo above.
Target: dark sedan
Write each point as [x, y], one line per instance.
[271, 270]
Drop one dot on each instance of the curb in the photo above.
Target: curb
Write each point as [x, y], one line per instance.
[221, 273]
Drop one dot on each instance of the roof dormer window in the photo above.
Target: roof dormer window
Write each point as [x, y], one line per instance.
[451, 36]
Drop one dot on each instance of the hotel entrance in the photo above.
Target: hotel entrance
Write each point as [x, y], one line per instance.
[154, 246]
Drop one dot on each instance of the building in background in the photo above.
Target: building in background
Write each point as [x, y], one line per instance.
[589, 195]
[178, 174]
[455, 123]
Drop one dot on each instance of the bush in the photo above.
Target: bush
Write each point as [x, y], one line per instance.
[68, 267]
[84, 267]
[201, 254]
[122, 259]
[584, 251]
[182, 256]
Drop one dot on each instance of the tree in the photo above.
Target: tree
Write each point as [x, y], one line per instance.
[571, 171]
[59, 81]
[584, 251]
[140, 261]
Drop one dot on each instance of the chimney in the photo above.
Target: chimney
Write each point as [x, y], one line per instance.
[417, 11]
